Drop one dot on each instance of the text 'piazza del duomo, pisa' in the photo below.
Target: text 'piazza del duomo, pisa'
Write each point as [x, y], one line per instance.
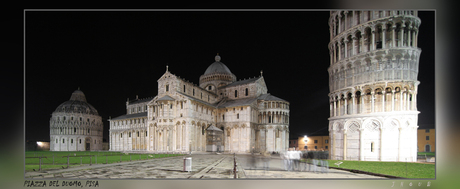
[373, 85]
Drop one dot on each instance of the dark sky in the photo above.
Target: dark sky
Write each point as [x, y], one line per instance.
[115, 55]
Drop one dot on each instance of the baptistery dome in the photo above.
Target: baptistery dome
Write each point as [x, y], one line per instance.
[77, 104]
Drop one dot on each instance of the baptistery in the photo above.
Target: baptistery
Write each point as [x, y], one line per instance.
[75, 125]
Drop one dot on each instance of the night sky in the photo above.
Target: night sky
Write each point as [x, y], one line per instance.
[115, 55]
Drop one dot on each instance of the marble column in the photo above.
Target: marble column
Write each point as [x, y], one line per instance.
[373, 40]
[384, 28]
[409, 35]
[393, 36]
[361, 146]
[335, 107]
[344, 144]
[372, 101]
[399, 144]
[354, 45]
[382, 130]
[393, 100]
[335, 52]
[383, 101]
[353, 104]
[340, 54]
[401, 34]
[345, 111]
[346, 21]
[333, 144]
[346, 47]
[340, 24]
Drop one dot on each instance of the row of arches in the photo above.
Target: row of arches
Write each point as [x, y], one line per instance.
[75, 123]
[271, 138]
[391, 138]
[128, 123]
[373, 124]
[65, 130]
[388, 68]
[340, 21]
[218, 76]
[168, 137]
[384, 35]
[265, 117]
[274, 104]
[137, 108]
[130, 139]
[69, 143]
[370, 100]
[78, 109]
[72, 119]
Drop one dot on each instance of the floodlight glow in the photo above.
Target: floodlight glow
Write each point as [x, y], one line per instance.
[39, 144]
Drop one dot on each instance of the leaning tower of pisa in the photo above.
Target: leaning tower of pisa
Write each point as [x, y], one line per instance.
[373, 85]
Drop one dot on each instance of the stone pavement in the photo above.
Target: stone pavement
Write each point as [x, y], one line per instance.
[204, 166]
[253, 168]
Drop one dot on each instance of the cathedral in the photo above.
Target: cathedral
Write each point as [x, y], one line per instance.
[221, 114]
[373, 84]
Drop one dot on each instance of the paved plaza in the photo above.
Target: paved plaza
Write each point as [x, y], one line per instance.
[204, 166]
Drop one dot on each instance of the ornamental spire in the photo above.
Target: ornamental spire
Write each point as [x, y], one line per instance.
[217, 58]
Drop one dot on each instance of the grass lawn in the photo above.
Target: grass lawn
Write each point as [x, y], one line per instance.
[399, 169]
[81, 157]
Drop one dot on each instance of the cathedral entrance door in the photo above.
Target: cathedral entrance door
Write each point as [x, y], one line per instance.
[88, 144]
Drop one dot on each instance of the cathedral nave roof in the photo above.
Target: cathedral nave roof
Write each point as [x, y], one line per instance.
[130, 116]
[136, 101]
[237, 102]
[241, 82]
[199, 100]
[269, 97]
[166, 97]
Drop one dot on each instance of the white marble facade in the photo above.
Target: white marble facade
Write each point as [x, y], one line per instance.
[175, 121]
[373, 85]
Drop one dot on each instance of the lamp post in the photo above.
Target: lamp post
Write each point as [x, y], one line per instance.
[305, 139]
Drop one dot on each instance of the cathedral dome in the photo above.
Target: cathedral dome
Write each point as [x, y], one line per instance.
[216, 75]
[217, 67]
[77, 104]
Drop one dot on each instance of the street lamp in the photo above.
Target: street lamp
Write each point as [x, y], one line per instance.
[305, 139]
